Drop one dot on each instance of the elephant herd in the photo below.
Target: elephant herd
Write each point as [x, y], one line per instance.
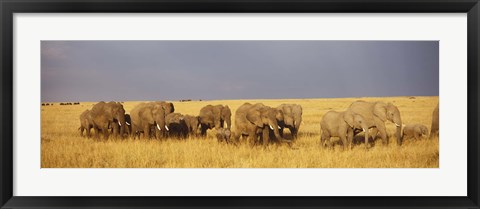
[370, 118]
[254, 123]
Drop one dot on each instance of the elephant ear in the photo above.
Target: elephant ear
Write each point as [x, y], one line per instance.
[348, 117]
[279, 114]
[380, 110]
[146, 114]
[254, 117]
[226, 112]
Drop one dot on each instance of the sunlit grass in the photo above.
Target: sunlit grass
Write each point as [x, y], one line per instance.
[62, 146]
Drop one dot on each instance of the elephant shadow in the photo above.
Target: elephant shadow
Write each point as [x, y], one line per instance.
[286, 135]
[359, 139]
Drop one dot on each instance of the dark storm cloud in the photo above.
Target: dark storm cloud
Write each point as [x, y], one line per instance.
[172, 70]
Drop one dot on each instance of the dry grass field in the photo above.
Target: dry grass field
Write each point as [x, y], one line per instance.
[62, 146]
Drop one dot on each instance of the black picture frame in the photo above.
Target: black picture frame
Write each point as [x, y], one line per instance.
[9, 7]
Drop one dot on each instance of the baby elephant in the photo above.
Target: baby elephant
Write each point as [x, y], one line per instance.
[223, 135]
[416, 131]
[341, 124]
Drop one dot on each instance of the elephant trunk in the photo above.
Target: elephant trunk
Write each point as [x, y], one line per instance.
[218, 124]
[399, 136]
[229, 123]
[122, 124]
[274, 126]
[365, 130]
[397, 120]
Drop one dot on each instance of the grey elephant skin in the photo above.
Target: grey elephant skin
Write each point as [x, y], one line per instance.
[342, 125]
[434, 128]
[193, 123]
[376, 114]
[292, 118]
[86, 123]
[223, 135]
[115, 128]
[103, 114]
[214, 117]
[177, 126]
[255, 121]
[416, 131]
[150, 116]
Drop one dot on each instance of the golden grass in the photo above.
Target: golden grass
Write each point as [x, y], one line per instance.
[62, 146]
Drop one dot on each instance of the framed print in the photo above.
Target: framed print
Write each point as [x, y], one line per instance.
[239, 104]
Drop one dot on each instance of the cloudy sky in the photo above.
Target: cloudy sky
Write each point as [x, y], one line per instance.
[173, 70]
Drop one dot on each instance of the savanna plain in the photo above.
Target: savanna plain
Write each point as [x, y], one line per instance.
[63, 147]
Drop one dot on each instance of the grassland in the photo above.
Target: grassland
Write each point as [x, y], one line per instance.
[62, 146]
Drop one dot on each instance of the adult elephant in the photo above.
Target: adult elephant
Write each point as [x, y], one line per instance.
[214, 117]
[375, 115]
[292, 114]
[147, 115]
[103, 114]
[342, 125]
[255, 121]
[434, 129]
[192, 124]
[86, 123]
[176, 125]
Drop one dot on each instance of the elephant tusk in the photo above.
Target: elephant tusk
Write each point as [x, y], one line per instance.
[364, 131]
[127, 123]
[166, 127]
[397, 125]
[294, 123]
[119, 123]
[159, 127]
[271, 127]
[279, 127]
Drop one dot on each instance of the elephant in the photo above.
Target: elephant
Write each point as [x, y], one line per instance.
[146, 116]
[292, 114]
[193, 122]
[434, 129]
[86, 123]
[214, 117]
[176, 125]
[375, 114]
[342, 125]
[254, 121]
[128, 126]
[103, 114]
[223, 135]
[415, 131]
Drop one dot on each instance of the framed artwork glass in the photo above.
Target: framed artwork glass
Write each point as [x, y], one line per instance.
[239, 104]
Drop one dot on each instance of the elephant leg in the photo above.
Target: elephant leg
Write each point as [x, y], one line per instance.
[158, 134]
[294, 132]
[343, 138]
[203, 130]
[373, 133]
[350, 138]
[81, 130]
[88, 131]
[325, 136]
[96, 132]
[266, 135]
[252, 137]
[382, 130]
[146, 132]
[116, 130]
[417, 136]
[134, 131]
[105, 132]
